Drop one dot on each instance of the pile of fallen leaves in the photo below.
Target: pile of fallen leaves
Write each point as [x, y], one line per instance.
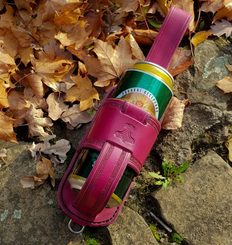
[57, 56]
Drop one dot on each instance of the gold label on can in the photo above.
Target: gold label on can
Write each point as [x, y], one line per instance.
[142, 98]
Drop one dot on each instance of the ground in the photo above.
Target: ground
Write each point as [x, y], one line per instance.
[198, 209]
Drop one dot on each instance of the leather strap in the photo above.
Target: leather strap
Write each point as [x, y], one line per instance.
[126, 126]
[124, 135]
[102, 181]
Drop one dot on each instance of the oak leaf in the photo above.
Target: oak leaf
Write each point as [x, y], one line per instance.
[174, 114]
[59, 149]
[222, 27]
[35, 120]
[225, 84]
[6, 128]
[74, 116]
[56, 106]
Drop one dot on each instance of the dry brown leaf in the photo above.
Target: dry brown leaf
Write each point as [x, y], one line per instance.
[222, 27]
[67, 17]
[3, 95]
[82, 69]
[211, 5]
[76, 36]
[59, 149]
[74, 116]
[35, 120]
[34, 81]
[8, 42]
[110, 64]
[174, 114]
[17, 101]
[31, 98]
[200, 37]
[54, 50]
[181, 61]
[186, 5]
[26, 54]
[82, 91]
[3, 153]
[127, 6]
[225, 84]
[144, 37]
[6, 128]
[5, 58]
[31, 182]
[102, 84]
[44, 169]
[56, 106]
[181, 68]
[229, 147]
[163, 6]
[57, 67]
[135, 49]
[180, 56]
[94, 20]
[52, 71]
[224, 12]
[229, 67]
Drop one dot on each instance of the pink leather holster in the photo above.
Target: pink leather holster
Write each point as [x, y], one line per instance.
[124, 135]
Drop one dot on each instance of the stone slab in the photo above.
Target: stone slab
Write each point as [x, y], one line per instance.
[200, 209]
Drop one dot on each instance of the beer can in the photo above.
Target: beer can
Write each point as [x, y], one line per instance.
[148, 86]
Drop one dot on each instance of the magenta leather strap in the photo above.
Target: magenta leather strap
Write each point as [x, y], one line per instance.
[102, 180]
[124, 135]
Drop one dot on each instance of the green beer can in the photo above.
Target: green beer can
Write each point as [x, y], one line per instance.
[147, 86]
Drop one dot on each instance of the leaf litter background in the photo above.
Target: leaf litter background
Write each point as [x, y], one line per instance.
[59, 57]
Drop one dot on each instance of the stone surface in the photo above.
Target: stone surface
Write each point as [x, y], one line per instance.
[208, 118]
[130, 228]
[200, 208]
[29, 216]
[33, 217]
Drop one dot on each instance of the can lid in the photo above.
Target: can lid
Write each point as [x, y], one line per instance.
[169, 37]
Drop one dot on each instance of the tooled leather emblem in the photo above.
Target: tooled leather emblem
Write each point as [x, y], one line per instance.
[126, 134]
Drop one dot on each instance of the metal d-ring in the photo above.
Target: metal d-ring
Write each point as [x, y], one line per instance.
[73, 231]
